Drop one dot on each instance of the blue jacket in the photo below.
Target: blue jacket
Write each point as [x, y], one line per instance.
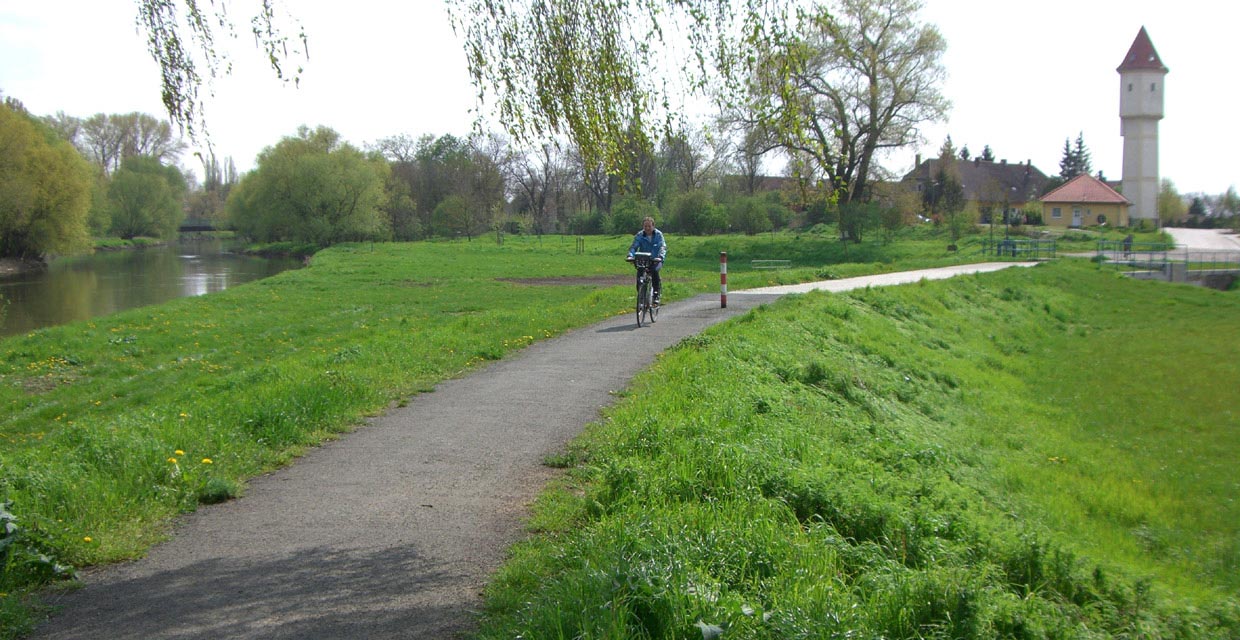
[654, 246]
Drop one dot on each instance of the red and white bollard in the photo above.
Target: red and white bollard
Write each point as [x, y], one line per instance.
[723, 279]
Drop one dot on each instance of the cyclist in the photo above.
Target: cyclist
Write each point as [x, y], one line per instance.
[650, 240]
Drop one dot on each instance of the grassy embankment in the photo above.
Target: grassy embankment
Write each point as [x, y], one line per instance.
[111, 427]
[1037, 453]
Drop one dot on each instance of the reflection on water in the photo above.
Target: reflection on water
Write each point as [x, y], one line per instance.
[86, 287]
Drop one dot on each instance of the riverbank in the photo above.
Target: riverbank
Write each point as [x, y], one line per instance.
[17, 266]
[10, 267]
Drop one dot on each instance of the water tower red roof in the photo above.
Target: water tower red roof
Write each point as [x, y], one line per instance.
[1142, 56]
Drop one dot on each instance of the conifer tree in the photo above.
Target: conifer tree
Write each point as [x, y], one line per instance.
[1075, 159]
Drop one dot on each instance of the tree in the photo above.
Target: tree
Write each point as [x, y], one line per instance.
[451, 217]
[397, 148]
[107, 139]
[218, 179]
[694, 213]
[1075, 160]
[491, 161]
[689, 159]
[898, 211]
[852, 84]
[45, 190]
[748, 215]
[312, 188]
[964, 153]
[1197, 208]
[597, 71]
[987, 154]
[754, 143]
[1171, 207]
[856, 218]
[627, 214]
[944, 194]
[539, 179]
[402, 210]
[67, 127]
[449, 165]
[1229, 202]
[145, 198]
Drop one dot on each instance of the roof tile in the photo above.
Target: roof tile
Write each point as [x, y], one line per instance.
[1142, 56]
[1085, 188]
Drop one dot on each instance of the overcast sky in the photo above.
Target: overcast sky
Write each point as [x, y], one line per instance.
[1022, 77]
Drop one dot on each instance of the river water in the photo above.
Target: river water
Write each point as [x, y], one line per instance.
[85, 287]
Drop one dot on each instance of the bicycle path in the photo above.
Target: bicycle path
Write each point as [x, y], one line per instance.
[393, 530]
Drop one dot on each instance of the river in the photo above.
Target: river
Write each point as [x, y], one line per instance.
[86, 287]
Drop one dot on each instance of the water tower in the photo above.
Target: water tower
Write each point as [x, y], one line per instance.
[1141, 77]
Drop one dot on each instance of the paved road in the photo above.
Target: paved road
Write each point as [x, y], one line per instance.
[391, 531]
[1204, 239]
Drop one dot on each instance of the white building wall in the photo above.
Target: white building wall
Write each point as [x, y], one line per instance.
[1140, 180]
[1140, 109]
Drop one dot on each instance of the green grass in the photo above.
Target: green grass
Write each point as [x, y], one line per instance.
[1036, 453]
[105, 425]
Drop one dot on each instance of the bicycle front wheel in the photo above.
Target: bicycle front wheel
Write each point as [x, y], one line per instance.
[641, 301]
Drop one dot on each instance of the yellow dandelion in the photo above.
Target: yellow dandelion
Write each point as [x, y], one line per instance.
[179, 452]
[87, 539]
[172, 460]
[184, 415]
[206, 461]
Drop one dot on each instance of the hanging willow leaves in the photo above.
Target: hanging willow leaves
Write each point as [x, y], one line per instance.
[182, 39]
[609, 74]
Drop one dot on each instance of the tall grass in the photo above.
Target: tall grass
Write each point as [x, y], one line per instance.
[109, 428]
[940, 460]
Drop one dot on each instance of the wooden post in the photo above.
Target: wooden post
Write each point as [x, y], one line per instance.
[723, 279]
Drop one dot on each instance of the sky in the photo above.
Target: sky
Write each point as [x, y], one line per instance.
[1022, 77]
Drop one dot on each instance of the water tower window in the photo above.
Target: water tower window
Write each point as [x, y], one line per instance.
[1152, 85]
[1129, 87]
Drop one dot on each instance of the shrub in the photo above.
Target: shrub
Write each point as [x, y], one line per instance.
[695, 213]
[749, 216]
[627, 214]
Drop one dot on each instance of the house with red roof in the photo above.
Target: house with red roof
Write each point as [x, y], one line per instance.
[1085, 201]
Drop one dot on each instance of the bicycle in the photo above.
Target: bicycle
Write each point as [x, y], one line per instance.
[646, 306]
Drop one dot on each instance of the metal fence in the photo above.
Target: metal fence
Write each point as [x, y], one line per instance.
[1020, 248]
[1163, 260]
[1135, 255]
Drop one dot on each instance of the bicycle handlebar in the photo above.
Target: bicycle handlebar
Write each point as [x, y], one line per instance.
[642, 261]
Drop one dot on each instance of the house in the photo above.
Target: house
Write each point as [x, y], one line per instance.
[987, 184]
[1085, 201]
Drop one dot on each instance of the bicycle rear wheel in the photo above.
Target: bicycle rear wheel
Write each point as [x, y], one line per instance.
[651, 311]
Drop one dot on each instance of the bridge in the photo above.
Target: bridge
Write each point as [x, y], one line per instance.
[197, 225]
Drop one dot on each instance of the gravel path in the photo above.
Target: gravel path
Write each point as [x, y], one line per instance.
[392, 530]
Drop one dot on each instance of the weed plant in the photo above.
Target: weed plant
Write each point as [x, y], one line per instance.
[1037, 453]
